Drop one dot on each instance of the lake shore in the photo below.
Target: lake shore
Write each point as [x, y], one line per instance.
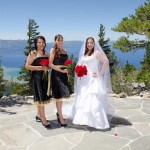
[11, 74]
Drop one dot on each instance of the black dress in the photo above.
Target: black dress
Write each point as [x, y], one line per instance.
[59, 81]
[39, 84]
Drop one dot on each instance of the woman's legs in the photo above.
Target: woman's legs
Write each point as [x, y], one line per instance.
[41, 114]
[59, 110]
[38, 112]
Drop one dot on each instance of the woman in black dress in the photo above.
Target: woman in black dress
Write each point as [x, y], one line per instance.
[39, 84]
[59, 80]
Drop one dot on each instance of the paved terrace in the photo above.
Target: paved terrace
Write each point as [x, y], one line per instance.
[130, 130]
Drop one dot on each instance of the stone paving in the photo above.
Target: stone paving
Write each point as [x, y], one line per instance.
[130, 129]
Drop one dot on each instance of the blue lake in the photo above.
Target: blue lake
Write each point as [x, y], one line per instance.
[17, 59]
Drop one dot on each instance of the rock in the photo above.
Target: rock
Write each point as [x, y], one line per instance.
[145, 94]
[4, 97]
[122, 95]
[142, 85]
[114, 95]
[135, 85]
[13, 95]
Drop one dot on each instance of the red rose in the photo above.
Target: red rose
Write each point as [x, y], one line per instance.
[44, 62]
[80, 70]
[68, 62]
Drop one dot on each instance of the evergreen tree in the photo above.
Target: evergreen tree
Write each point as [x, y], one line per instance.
[25, 75]
[2, 85]
[106, 47]
[138, 24]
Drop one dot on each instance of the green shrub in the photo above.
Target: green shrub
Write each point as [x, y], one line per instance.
[20, 89]
[72, 73]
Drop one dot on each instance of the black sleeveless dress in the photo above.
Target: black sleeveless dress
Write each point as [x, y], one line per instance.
[39, 84]
[59, 81]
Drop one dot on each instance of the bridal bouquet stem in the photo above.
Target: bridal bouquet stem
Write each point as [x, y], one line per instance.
[44, 63]
[68, 64]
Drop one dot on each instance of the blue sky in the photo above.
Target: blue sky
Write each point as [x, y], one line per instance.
[74, 19]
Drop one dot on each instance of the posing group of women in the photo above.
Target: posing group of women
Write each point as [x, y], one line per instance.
[92, 104]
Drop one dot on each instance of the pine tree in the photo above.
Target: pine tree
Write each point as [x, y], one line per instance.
[2, 85]
[25, 75]
[106, 47]
[138, 24]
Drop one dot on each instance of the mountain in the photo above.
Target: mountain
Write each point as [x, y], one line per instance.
[19, 45]
[11, 52]
[12, 45]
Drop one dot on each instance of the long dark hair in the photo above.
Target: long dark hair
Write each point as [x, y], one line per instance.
[36, 40]
[57, 50]
[86, 49]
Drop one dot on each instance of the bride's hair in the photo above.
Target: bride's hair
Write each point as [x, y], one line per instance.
[57, 51]
[86, 49]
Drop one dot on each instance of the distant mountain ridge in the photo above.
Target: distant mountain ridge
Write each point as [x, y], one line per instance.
[14, 45]
[11, 52]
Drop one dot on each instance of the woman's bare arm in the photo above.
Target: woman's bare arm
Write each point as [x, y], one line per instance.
[51, 59]
[29, 61]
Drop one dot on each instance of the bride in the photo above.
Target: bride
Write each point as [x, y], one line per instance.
[93, 104]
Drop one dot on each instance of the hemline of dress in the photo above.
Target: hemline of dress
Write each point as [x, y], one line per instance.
[42, 103]
[100, 128]
[60, 99]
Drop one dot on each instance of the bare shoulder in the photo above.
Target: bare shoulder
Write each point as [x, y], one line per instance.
[32, 54]
[52, 51]
[97, 53]
[46, 54]
[64, 51]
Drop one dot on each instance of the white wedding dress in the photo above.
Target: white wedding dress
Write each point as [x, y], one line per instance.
[90, 105]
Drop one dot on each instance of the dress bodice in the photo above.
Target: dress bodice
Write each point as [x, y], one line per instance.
[60, 60]
[36, 61]
[91, 62]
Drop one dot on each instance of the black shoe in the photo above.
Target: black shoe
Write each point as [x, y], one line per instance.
[48, 126]
[62, 125]
[38, 119]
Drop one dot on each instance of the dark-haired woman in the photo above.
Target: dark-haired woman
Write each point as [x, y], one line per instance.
[39, 84]
[59, 80]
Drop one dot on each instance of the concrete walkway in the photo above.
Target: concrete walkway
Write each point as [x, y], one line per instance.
[130, 130]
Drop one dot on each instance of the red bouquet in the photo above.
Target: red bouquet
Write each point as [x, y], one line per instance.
[80, 70]
[68, 64]
[44, 63]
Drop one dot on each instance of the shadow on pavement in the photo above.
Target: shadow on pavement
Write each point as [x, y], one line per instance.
[120, 121]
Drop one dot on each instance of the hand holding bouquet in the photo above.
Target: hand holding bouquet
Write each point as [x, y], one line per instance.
[68, 64]
[44, 63]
